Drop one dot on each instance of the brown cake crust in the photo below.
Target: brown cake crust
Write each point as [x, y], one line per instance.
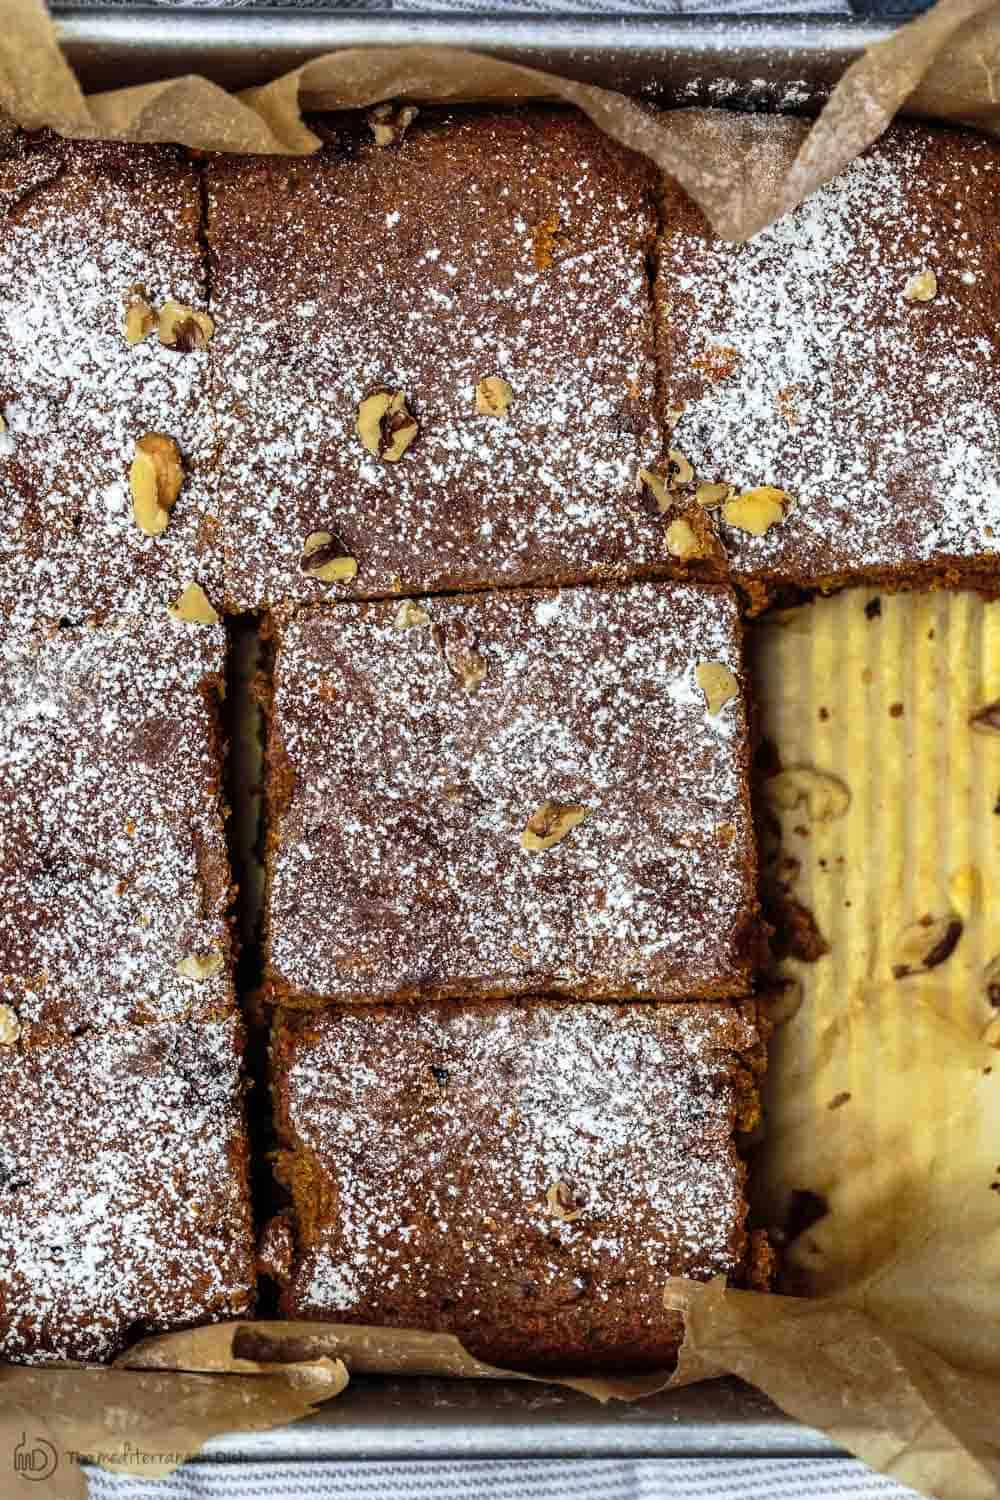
[113, 862]
[406, 763]
[85, 221]
[124, 1205]
[509, 244]
[523, 1175]
[800, 362]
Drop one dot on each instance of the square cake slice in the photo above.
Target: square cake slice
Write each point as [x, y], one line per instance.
[89, 229]
[525, 1176]
[508, 793]
[124, 1206]
[489, 270]
[848, 357]
[114, 875]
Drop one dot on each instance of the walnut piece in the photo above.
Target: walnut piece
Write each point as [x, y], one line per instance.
[155, 480]
[409, 615]
[718, 684]
[562, 1204]
[682, 541]
[825, 797]
[756, 510]
[193, 607]
[710, 495]
[550, 823]
[389, 122]
[140, 317]
[493, 396]
[10, 1026]
[921, 288]
[470, 668]
[200, 966]
[183, 328]
[657, 487]
[679, 470]
[925, 944]
[385, 426]
[323, 559]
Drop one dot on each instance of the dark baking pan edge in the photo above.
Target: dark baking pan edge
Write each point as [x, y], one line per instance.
[787, 63]
[406, 1419]
[766, 62]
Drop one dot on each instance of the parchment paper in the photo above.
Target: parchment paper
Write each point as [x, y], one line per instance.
[945, 65]
[884, 1112]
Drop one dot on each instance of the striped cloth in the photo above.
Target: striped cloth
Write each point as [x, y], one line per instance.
[558, 1479]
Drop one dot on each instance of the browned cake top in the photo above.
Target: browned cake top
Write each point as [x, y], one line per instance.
[123, 1200]
[524, 1175]
[113, 866]
[417, 753]
[85, 222]
[804, 359]
[486, 244]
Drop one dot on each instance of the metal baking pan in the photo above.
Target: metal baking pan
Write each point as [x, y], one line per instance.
[742, 62]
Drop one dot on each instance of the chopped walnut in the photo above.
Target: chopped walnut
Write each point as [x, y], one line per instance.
[155, 480]
[679, 470]
[711, 495]
[682, 541]
[543, 241]
[562, 1203]
[756, 510]
[921, 288]
[409, 615]
[718, 684]
[550, 823]
[657, 487]
[183, 328]
[384, 424]
[10, 1026]
[140, 317]
[323, 559]
[193, 607]
[390, 122]
[493, 396]
[200, 966]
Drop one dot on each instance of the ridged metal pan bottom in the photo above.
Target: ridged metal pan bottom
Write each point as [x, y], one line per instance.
[742, 62]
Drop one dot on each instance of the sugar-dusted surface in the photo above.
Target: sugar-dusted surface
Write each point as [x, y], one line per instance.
[397, 866]
[426, 1141]
[123, 1196]
[85, 222]
[879, 415]
[423, 268]
[113, 863]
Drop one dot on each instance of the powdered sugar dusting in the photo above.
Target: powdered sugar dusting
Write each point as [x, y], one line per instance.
[531, 267]
[442, 1130]
[878, 415]
[123, 1203]
[400, 865]
[85, 223]
[113, 863]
